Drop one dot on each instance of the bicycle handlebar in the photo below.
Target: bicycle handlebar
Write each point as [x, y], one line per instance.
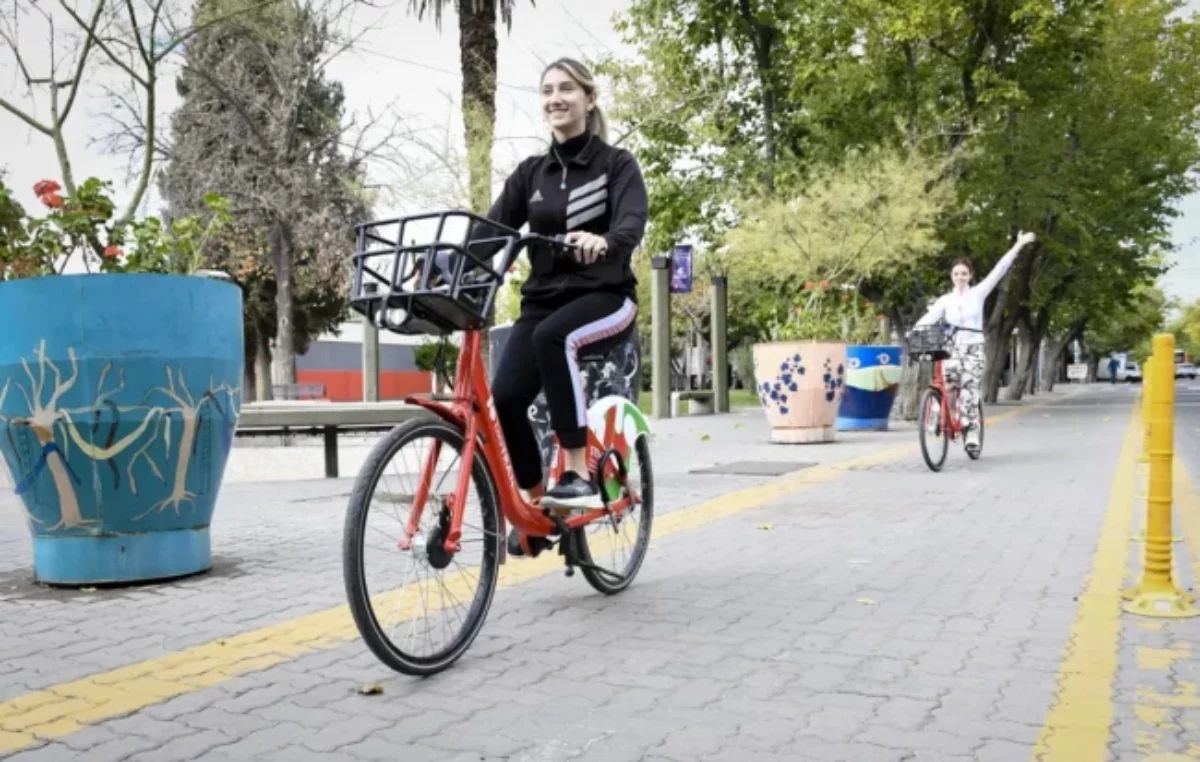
[953, 328]
[558, 245]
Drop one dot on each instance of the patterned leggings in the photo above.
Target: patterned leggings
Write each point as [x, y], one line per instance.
[964, 370]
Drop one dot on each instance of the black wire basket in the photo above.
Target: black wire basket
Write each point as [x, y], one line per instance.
[430, 274]
[930, 342]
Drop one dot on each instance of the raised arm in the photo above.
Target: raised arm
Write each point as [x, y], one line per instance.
[936, 312]
[1002, 267]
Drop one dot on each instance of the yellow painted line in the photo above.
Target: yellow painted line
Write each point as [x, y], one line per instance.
[1156, 716]
[1183, 697]
[1161, 659]
[63, 709]
[1077, 726]
[1186, 509]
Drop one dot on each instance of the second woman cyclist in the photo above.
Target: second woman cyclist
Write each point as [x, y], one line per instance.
[594, 194]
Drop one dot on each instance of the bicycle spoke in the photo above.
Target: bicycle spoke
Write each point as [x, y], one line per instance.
[439, 597]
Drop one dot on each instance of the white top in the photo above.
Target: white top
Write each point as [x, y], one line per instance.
[964, 307]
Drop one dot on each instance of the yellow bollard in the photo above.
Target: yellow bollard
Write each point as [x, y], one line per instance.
[1156, 594]
[1147, 374]
[1143, 460]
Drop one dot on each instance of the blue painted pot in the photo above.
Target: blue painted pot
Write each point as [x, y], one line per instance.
[872, 380]
[119, 396]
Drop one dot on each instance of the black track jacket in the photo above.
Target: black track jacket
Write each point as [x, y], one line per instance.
[599, 191]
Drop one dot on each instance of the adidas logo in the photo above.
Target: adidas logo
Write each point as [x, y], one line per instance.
[536, 197]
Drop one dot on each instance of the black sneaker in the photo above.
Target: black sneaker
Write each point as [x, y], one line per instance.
[536, 544]
[573, 493]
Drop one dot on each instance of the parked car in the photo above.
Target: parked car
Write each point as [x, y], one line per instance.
[1133, 373]
[1185, 370]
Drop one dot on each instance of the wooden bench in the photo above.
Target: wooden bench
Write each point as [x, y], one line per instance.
[701, 402]
[297, 392]
[269, 419]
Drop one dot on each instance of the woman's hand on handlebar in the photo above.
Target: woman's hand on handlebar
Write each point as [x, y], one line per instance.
[588, 247]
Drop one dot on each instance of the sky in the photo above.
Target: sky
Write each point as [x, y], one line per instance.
[407, 67]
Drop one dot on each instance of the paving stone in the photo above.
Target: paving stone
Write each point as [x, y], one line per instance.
[898, 615]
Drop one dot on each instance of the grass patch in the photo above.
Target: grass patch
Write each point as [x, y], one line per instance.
[738, 398]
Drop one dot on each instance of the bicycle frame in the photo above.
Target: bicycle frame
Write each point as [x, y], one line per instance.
[484, 438]
[949, 412]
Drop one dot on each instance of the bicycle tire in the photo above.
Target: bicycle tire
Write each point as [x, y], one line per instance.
[354, 538]
[599, 581]
[928, 397]
[979, 452]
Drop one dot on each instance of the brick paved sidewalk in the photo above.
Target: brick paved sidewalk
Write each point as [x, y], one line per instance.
[885, 614]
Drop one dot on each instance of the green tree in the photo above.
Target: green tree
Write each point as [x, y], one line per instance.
[1074, 120]
[477, 47]
[261, 124]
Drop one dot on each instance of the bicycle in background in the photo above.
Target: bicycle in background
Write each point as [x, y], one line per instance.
[938, 419]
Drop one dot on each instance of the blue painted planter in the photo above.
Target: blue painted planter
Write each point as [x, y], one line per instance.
[872, 379]
[119, 396]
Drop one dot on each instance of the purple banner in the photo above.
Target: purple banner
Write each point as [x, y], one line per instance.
[681, 269]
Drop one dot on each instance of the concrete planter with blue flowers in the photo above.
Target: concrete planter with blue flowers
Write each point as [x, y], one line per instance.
[119, 398]
[799, 384]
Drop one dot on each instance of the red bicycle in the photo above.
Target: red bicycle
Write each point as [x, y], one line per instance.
[443, 485]
[938, 418]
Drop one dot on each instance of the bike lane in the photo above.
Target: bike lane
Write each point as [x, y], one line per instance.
[861, 610]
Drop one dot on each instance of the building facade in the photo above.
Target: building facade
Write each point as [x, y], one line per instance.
[335, 361]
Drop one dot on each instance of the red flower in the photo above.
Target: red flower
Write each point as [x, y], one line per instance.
[46, 187]
[112, 252]
[809, 286]
[881, 316]
[824, 285]
[512, 268]
[52, 200]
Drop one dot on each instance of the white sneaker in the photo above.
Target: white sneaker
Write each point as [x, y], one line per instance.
[973, 439]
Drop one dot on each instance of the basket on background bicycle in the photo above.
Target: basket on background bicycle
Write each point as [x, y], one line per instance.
[430, 274]
[931, 342]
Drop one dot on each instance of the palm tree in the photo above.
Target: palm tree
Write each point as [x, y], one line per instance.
[477, 53]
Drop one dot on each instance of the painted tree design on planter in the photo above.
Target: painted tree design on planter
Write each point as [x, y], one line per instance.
[56, 429]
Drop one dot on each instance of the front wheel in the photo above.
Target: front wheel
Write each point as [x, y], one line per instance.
[417, 605]
[935, 440]
[620, 544]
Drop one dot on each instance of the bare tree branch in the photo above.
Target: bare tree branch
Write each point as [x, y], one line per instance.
[93, 37]
[137, 33]
[79, 68]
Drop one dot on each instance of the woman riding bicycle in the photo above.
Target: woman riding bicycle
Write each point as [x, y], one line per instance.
[963, 308]
[594, 194]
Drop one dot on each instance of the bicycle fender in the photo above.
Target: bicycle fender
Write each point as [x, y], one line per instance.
[616, 420]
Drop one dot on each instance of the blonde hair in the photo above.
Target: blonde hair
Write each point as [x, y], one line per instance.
[596, 123]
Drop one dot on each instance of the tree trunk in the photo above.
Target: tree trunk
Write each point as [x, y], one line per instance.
[285, 306]
[1058, 364]
[477, 54]
[913, 378]
[764, 40]
[1028, 342]
[263, 391]
[994, 352]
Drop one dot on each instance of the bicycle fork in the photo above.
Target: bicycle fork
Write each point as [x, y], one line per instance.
[456, 502]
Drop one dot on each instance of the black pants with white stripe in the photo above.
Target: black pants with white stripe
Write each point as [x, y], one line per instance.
[543, 352]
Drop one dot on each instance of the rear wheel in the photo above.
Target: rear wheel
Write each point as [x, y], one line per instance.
[934, 438]
[418, 606]
[619, 544]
